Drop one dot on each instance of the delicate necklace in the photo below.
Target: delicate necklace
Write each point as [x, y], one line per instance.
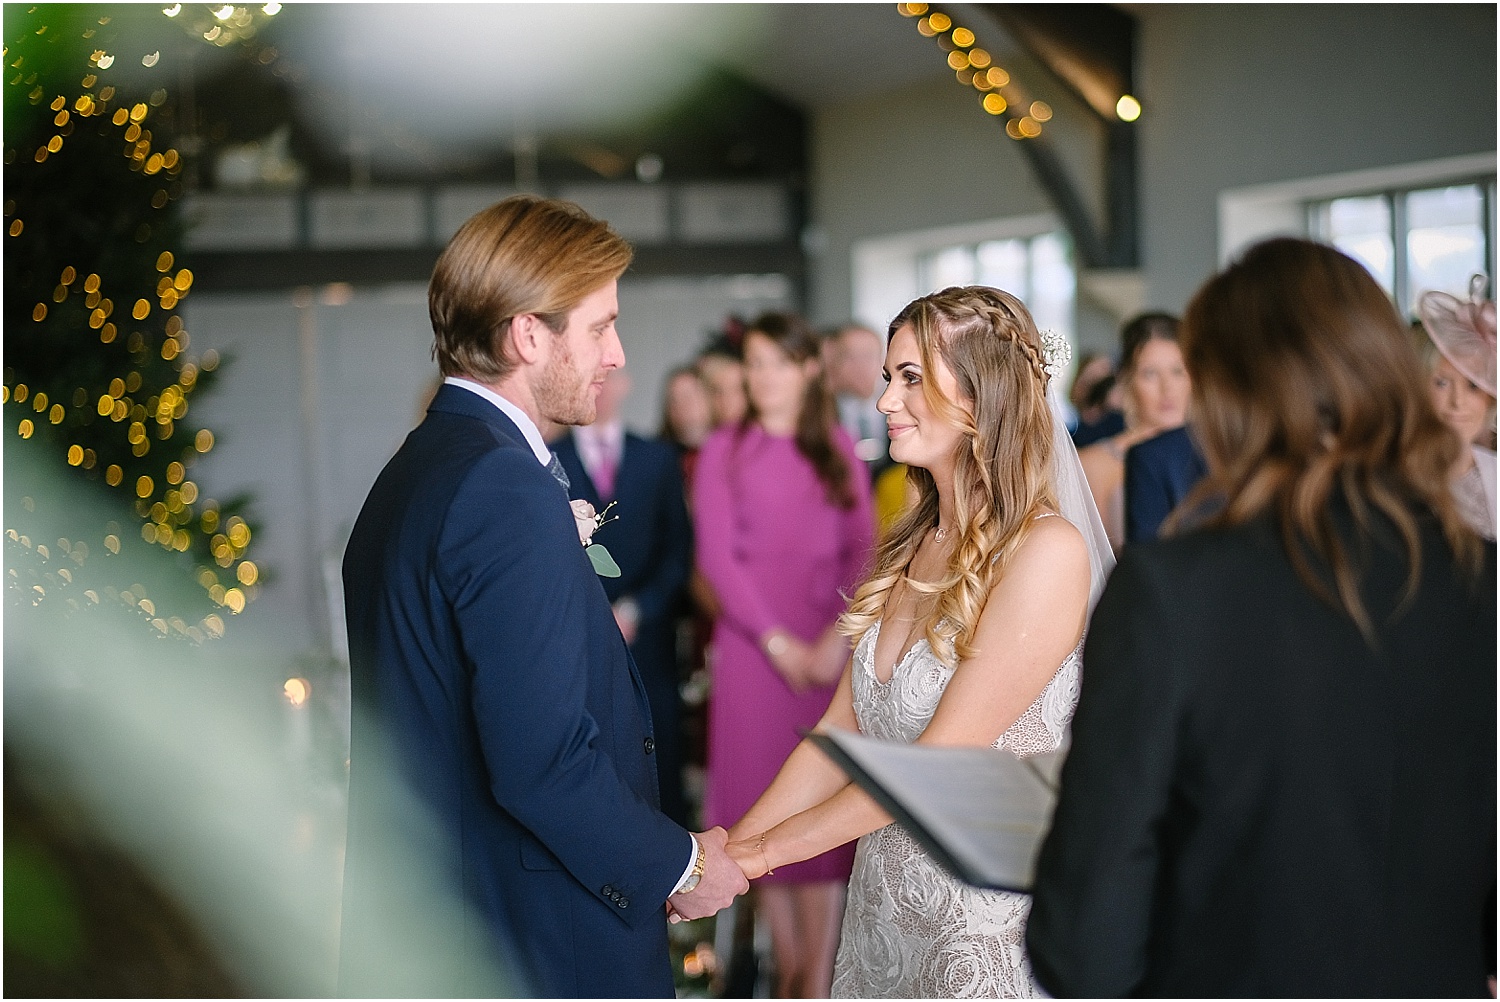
[940, 533]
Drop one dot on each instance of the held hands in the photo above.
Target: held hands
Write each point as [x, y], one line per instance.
[722, 881]
[750, 855]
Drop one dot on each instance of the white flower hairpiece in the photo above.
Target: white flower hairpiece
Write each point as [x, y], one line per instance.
[1056, 353]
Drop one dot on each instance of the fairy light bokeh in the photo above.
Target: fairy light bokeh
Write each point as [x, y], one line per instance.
[1000, 94]
[105, 382]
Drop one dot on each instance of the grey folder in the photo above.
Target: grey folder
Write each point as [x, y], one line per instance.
[980, 812]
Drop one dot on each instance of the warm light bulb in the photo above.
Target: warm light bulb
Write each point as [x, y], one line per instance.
[296, 691]
[1128, 108]
[225, 12]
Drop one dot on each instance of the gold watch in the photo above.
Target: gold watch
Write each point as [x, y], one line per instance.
[699, 862]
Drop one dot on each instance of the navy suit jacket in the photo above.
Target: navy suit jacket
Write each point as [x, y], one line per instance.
[1159, 473]
[653, 544]
[485, 659]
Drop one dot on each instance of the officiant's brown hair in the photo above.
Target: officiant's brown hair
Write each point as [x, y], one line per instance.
[1306, 391]
[526, 254]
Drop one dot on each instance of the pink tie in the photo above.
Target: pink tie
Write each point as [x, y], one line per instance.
[604, 476]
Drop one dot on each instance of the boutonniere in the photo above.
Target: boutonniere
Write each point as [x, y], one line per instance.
[589, 523]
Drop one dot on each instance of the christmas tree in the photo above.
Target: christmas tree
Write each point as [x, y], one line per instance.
[99, 375]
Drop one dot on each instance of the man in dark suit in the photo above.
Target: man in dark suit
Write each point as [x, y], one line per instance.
[1159, 473]
[652, 544]
[484, 656]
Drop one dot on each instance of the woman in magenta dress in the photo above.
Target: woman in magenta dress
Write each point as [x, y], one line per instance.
[785, 526]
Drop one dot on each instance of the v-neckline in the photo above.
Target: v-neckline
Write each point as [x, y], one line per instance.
[899, 662]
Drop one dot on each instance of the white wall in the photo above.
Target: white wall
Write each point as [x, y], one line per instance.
[311, 405]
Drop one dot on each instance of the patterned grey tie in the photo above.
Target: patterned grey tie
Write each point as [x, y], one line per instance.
[555, 467]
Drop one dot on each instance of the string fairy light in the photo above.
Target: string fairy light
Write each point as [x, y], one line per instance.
[130, 419]
[975, 67]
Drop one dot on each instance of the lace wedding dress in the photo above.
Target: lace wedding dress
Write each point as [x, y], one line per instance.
[910, 929]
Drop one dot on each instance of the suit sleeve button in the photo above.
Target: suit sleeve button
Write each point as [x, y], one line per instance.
[650, 745]
[624, 902]
[607, 890]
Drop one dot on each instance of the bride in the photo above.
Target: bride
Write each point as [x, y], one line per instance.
[969, 632]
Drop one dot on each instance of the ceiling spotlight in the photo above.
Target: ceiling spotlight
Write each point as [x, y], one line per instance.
[1128, 108]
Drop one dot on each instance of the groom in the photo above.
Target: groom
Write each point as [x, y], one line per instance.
[483, 652]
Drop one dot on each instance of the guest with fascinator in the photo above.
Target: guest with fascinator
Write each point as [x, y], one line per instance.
[1461, 365]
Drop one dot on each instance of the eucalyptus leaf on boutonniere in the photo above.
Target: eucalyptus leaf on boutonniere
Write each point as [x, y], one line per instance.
[588, 523]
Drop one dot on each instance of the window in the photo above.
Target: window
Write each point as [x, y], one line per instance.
[1031, 258]
[1036, 271]
[1414, 240]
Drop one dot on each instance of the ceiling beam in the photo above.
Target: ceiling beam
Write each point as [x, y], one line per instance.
[1090, 49]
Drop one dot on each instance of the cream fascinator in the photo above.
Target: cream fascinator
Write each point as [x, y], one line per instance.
[1464, 332]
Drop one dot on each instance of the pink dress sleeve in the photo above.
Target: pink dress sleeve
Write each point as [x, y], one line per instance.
[713, 517]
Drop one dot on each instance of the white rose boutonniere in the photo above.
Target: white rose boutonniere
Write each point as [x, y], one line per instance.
[588, 523]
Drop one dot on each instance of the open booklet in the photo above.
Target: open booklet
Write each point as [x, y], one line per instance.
[980, 812]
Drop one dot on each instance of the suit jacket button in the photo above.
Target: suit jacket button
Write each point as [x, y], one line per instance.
[607, 890]
[624, 902]
[649, 745]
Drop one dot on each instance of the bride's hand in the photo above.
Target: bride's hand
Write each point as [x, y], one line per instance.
[747, 855]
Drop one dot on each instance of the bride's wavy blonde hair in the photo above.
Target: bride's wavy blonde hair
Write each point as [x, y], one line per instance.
[1003, 476]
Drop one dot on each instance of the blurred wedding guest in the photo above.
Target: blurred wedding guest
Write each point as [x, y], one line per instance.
[1282, 777]
[893, 495]
[687, 417]
[724, 375]
[856, 355]
[1159, 473]
[1095, 401]
[1461, 371]
[649, 536]
[785, 527]
[1156, 399]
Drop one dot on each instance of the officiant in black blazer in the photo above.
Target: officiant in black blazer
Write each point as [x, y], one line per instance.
[1282, 778]
[653, 544]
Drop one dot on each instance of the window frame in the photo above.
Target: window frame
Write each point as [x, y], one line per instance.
[1316, 216]
[888, 268]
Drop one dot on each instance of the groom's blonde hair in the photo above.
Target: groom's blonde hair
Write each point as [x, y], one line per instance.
[526, 254]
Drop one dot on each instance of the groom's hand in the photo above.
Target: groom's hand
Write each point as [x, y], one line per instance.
[721, 883]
